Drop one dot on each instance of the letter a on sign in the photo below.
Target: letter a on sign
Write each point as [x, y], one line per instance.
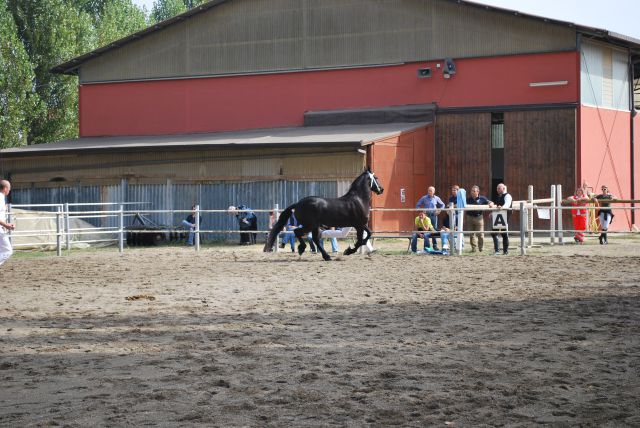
[499, 220]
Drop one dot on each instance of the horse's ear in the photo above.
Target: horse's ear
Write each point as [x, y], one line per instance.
[368, 168]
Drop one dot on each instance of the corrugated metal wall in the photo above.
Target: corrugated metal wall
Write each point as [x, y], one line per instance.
[170, 196]
[244, 36]
[189, 165]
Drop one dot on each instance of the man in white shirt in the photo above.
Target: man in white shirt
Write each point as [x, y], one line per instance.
[5, 245]
[503, 200]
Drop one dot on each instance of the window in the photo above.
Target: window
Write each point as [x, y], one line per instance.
[497, 150]
[604, 77]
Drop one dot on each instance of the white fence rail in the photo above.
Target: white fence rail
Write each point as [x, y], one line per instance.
[62, 232]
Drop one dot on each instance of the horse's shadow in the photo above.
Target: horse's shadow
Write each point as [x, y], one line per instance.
[299, 259]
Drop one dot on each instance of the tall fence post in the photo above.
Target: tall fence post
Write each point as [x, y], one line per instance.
[552, 215]
[523, 228]
[560, 234]
[460, 222]
[67, 227]
[530, 215]
[9, 220]
[197, 231]
[452, 229]
[121, 229]
[59, 230]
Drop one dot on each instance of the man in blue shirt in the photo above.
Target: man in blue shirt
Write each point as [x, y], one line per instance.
[475, 219]
[432, 204]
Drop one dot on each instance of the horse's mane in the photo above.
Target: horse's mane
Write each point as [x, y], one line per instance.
[357, 182]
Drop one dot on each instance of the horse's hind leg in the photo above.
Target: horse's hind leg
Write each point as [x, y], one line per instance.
[300, 234]
[315, 235]
[359, 242]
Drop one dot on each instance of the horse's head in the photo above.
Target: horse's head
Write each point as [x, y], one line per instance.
[375, 183]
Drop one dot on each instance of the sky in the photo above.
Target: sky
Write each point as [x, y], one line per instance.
[613, 15]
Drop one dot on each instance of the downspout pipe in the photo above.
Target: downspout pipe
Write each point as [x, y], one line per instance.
[632, 136]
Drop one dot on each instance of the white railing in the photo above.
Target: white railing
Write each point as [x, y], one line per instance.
[64, 232]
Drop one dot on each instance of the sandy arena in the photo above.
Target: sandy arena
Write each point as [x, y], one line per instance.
[235, 337]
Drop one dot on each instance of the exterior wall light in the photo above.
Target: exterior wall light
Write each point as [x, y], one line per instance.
[556, 83]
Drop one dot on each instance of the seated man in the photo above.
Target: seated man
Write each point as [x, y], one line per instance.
[421, 223]
[190, 222]
[443, 221]
[290, 238]
[332, 234]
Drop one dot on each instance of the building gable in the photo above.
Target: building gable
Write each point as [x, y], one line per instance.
[257, 36]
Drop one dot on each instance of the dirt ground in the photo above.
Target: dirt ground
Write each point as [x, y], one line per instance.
[231, 336]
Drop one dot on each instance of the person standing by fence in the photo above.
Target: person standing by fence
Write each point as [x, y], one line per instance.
[503, 200]
[475, 219]
[5, 244]
[579, 214]
[432, 204]
[247, 220]
[605, 216]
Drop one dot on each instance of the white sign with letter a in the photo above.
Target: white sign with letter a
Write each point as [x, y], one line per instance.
[499, 220]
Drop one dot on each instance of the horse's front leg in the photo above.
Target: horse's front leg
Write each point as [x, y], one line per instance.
[359, 242]
[315, 235]
[300, 234]
[366, 238]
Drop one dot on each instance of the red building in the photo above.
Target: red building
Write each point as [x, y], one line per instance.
[516, 98]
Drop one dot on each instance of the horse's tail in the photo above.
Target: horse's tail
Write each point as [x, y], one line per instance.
[275, 230]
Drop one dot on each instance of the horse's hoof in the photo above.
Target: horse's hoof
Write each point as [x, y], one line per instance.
[327, 258]
[349, 251]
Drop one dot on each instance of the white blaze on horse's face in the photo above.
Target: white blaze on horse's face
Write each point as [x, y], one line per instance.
[375, 186]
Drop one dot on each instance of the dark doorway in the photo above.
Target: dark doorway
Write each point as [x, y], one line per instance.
[497, 151]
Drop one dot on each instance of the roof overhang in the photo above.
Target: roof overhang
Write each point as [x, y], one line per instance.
[342, 136]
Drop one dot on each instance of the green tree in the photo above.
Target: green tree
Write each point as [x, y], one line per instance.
[119, 18]
[165, 9]
[53, 31]
[93, 7]
[193, 3]
[16, 82]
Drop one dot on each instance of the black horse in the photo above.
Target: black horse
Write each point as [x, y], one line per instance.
[314, 213]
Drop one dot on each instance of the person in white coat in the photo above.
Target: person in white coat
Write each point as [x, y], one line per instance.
[5, 244]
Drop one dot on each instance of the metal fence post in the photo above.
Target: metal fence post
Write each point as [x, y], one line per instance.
[9, 220]
[67, 226]
[530, 215]
[197, 231]
[121, 229]
[58, 231]
[552, 215]
[523, 228]
[560, 234]
[452, 229]
[460, 242]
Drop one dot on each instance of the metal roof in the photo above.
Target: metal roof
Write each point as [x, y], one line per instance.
[307, 136]
[71, 66]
